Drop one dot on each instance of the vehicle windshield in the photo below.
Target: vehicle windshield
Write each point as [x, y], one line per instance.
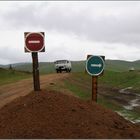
[61, 61]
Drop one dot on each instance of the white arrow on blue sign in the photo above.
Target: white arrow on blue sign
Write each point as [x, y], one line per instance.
[95, 65]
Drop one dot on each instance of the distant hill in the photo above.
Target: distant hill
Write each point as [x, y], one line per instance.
[119, 65]
[2, 66]
[46, 67]
[77, 66]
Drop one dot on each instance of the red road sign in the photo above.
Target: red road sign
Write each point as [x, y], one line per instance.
[34, 42]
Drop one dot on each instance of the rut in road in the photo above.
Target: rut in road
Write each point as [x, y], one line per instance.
[12, 91]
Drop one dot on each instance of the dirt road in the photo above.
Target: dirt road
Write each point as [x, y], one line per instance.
[11, 91]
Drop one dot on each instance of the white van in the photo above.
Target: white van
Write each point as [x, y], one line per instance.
[62, 65]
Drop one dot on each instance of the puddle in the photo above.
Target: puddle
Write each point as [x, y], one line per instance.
[124, 115]
[125, 90]
[138, 95]
[132, 104]
[137, 121]
[128, 116]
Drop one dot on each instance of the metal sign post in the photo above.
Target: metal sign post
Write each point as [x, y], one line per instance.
[34, 43]
[94, 67]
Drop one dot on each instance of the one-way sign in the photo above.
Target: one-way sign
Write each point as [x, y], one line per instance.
[95, 65]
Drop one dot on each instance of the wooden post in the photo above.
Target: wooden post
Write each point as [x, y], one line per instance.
[35, 71]
[94, 88]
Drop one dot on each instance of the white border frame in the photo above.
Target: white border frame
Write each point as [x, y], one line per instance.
[35, 33]
[102, 69]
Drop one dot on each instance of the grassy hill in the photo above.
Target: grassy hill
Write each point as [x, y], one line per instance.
[79, 66]
[119, 65]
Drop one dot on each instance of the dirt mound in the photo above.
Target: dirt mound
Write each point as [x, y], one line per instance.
[55, 115]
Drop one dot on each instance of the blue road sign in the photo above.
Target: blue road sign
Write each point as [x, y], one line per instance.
[95, 65]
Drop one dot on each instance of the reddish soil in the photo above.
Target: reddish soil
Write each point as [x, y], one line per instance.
[56, 115]
[12, 91]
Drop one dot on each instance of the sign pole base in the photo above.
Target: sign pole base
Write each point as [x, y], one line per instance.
[94, 88]
[35, 71]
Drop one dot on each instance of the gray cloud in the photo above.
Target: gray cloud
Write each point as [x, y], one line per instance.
[73, 29]
[11, 55]
[111, 28]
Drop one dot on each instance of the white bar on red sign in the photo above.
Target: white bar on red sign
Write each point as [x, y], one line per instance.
[34, 41]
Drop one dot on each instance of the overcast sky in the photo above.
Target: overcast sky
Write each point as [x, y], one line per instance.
[72, 29]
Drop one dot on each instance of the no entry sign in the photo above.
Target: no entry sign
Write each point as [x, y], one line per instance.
[34, 42]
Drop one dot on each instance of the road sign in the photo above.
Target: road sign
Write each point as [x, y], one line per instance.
[34, 42]
[95, 65]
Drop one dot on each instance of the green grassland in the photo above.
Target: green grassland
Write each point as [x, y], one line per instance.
[122, 79]
[80, 83]
[9, 76]
[111, 78]
[80, 86]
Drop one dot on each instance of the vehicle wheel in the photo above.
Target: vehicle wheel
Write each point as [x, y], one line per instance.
[60, 71]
